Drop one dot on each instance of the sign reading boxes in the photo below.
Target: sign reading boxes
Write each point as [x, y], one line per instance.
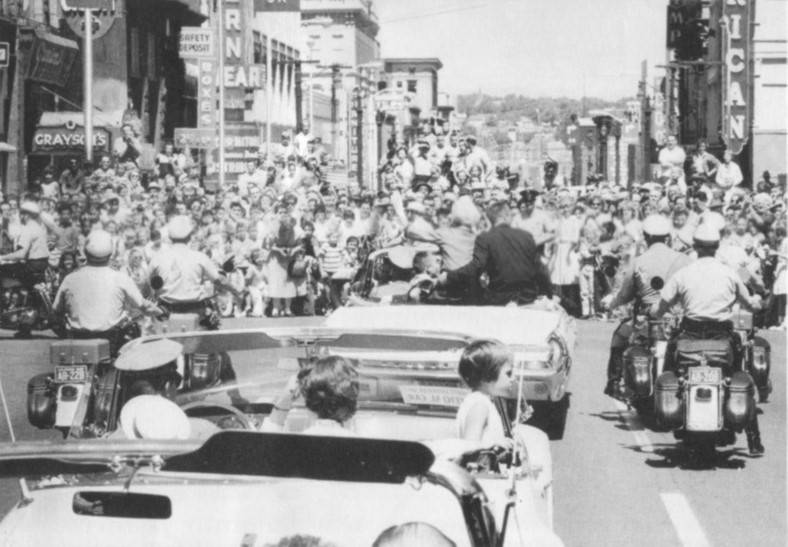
[196, 43]
[207, 111]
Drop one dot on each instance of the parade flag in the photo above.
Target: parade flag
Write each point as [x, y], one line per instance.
[277, 5]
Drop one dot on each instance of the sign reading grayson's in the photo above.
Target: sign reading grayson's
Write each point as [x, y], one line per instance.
[68, 139]
[737, 50]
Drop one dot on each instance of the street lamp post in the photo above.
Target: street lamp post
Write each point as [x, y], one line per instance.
[358, 105]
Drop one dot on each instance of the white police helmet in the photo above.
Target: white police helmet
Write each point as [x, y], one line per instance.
[656, 226]
[180, 228]
[99, 245]
[715, 220]
[706, 234]
[30, 207]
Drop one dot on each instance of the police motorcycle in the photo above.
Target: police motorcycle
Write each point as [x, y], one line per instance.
[80, 396]
[644, 359]
[705, 393]
[26, 306]
[198, 370]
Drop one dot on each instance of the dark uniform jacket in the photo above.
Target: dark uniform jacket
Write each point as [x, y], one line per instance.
[510, 258]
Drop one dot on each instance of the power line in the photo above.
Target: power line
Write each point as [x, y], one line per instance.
[443, 12]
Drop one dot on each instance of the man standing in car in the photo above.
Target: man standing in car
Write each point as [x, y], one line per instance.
[511, 260]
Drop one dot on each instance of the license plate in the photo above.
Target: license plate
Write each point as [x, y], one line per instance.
[71, 373]
[433, 395]
[704, 375]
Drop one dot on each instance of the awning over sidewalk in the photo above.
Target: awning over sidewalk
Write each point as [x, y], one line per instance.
[52, 58]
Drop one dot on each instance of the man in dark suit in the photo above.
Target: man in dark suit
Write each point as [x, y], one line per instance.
[510, 259]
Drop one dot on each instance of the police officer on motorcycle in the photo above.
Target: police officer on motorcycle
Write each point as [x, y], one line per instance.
[31, 252]
[659, 260]
[183, 271]
[94, 300]
[707, 290]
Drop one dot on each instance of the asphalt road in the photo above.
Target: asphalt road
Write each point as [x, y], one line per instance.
[616, 482]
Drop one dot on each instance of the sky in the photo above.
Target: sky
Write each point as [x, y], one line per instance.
[569, 48]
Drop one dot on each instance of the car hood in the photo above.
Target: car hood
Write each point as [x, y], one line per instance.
[510, 325]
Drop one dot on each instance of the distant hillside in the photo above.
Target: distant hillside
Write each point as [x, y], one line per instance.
[545, 109]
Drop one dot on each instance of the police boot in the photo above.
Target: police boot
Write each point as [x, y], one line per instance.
[614, 365]
[754, 443]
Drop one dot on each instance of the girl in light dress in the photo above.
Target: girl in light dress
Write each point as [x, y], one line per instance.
[486, 368]
[257, 284]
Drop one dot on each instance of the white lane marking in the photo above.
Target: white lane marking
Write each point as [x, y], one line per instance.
[685, 522]
[635, 426]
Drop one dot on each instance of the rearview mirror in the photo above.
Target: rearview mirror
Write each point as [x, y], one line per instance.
[657, 283]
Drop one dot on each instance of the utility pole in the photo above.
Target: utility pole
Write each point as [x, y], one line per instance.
[87, 79]
[220, 39]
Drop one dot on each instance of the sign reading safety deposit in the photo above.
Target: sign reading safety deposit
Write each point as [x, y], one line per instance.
[196, 43]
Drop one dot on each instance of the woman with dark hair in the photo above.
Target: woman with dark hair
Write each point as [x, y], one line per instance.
[330, 389]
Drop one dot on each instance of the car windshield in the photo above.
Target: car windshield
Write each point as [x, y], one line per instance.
[249, 369]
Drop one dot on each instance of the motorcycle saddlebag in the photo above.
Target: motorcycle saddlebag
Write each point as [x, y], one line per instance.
[740, 403]
[40, 402]
[637, 369]
[691, 352]
[668, 403]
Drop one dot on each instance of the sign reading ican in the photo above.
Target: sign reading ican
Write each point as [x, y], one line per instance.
[277, 5]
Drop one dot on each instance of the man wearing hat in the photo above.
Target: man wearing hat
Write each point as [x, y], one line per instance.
[659, 260]
[707, 290]
[151, 373]
[183, 272]
[94, 300]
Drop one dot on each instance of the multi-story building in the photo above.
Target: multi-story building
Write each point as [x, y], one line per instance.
[418, 76]
[726, 81]
[339, 41]
[137, 76]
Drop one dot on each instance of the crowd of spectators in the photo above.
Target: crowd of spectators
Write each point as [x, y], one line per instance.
[295, 237]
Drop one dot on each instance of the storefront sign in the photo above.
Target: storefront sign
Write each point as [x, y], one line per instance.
[277, 5]
[70, 139]
[206, 94]
[5, 55]
[737, 57]
[196, 43]
[52, 59]
[241, 144]
[238, 71]
[195, 137]
[680, 13]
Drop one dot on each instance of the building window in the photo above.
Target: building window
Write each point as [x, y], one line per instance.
[399, 83]
[314, 37]
[338, 36]
[412, 86]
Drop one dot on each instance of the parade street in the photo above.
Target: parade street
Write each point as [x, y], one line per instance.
[614, 479]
